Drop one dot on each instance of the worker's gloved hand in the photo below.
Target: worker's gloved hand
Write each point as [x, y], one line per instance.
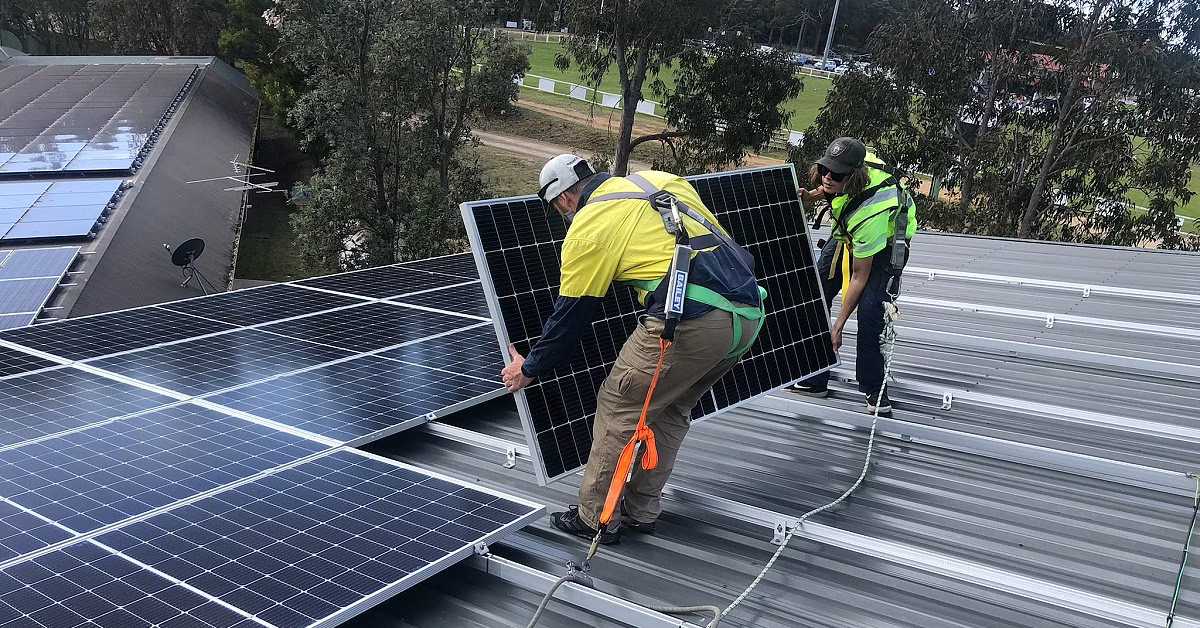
[512, 376]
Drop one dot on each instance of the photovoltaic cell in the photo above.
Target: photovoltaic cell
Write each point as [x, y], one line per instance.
[461, 265]
[467, 299]
[205, 365]
[369, 327]
[471, 352]
[86, 585]
[261, 305]
[359, 400]
[40, 404]
[95, 336]
[312, 543]
[517, 243]
[13, 362]
[21, 533]
[382, 282]
[110, 472]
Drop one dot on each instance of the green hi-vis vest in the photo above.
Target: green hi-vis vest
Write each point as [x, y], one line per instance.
[873, 222]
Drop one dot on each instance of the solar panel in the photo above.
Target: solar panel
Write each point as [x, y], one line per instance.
[22, 532]
[107, 473]
[13, 362]
[98, 117]
[466, 299]
[370, 327]
[62, 209]
[459, 265]
[516, 244]
[106, 334]
[25, 295]
[86, 585]
[13, 321]
[382, 282]
[261, 305]
[359, 400]
[471, 352]
[28, 263]
[35, 405]
[206, 365]
[323, 541]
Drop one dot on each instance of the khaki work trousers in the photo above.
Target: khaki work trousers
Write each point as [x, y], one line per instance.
[693, 364]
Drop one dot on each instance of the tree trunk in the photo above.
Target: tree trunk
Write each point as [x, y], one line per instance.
[1031, 209]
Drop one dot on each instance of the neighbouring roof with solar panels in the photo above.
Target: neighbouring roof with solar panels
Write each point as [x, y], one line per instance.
[94, 154]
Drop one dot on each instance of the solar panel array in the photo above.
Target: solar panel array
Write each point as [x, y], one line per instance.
[185, 464]
[28, 277]
[517, 242]
[39, 210]
[85, 118]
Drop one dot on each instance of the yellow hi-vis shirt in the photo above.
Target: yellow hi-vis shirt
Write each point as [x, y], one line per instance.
[624, 239]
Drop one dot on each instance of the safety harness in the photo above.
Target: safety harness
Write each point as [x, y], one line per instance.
[673, 290]
[898, 242]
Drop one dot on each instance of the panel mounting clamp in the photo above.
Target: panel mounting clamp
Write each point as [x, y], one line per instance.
[1049, 321]
[510, 458]
[947, 400]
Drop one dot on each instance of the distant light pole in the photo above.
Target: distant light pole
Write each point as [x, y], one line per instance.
[829, 38]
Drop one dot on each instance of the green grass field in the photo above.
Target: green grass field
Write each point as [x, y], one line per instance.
[803, 108]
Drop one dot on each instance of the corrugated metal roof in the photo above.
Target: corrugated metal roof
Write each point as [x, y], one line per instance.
[986, 499]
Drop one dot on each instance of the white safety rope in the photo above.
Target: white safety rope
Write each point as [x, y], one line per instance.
[887, 341]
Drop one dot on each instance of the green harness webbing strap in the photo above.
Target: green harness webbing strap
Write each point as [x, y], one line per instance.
[709, 297]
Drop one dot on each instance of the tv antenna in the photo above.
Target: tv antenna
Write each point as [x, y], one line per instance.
[241, 175]
[184, 256]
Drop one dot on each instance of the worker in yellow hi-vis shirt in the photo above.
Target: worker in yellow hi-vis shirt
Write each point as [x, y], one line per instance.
[619, 233]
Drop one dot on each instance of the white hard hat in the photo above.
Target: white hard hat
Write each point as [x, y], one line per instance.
[561, 173]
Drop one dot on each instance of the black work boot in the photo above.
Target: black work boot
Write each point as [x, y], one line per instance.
[570, 523]
[819, 391]
[633, 524]
[884, 405]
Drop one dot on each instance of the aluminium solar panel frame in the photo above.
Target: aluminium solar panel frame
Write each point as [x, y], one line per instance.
[502, 333]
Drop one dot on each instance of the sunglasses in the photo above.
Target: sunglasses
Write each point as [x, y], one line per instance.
[822, 171]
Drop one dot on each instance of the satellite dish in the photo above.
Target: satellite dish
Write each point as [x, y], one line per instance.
[188, 252]
[183, 256]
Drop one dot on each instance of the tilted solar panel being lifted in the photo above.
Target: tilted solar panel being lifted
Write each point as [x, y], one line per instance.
[516, 244]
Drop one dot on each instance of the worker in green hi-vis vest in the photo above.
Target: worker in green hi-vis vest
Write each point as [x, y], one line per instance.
[867, 205]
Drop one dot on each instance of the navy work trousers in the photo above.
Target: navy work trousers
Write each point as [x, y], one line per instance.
[869, 355]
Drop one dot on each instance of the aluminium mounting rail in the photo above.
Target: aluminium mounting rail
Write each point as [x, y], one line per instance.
[1083, 288]
[1000, 348]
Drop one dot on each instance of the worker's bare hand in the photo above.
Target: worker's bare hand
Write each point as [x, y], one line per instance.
[812, 196]
[512, 376]
[837, 338]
